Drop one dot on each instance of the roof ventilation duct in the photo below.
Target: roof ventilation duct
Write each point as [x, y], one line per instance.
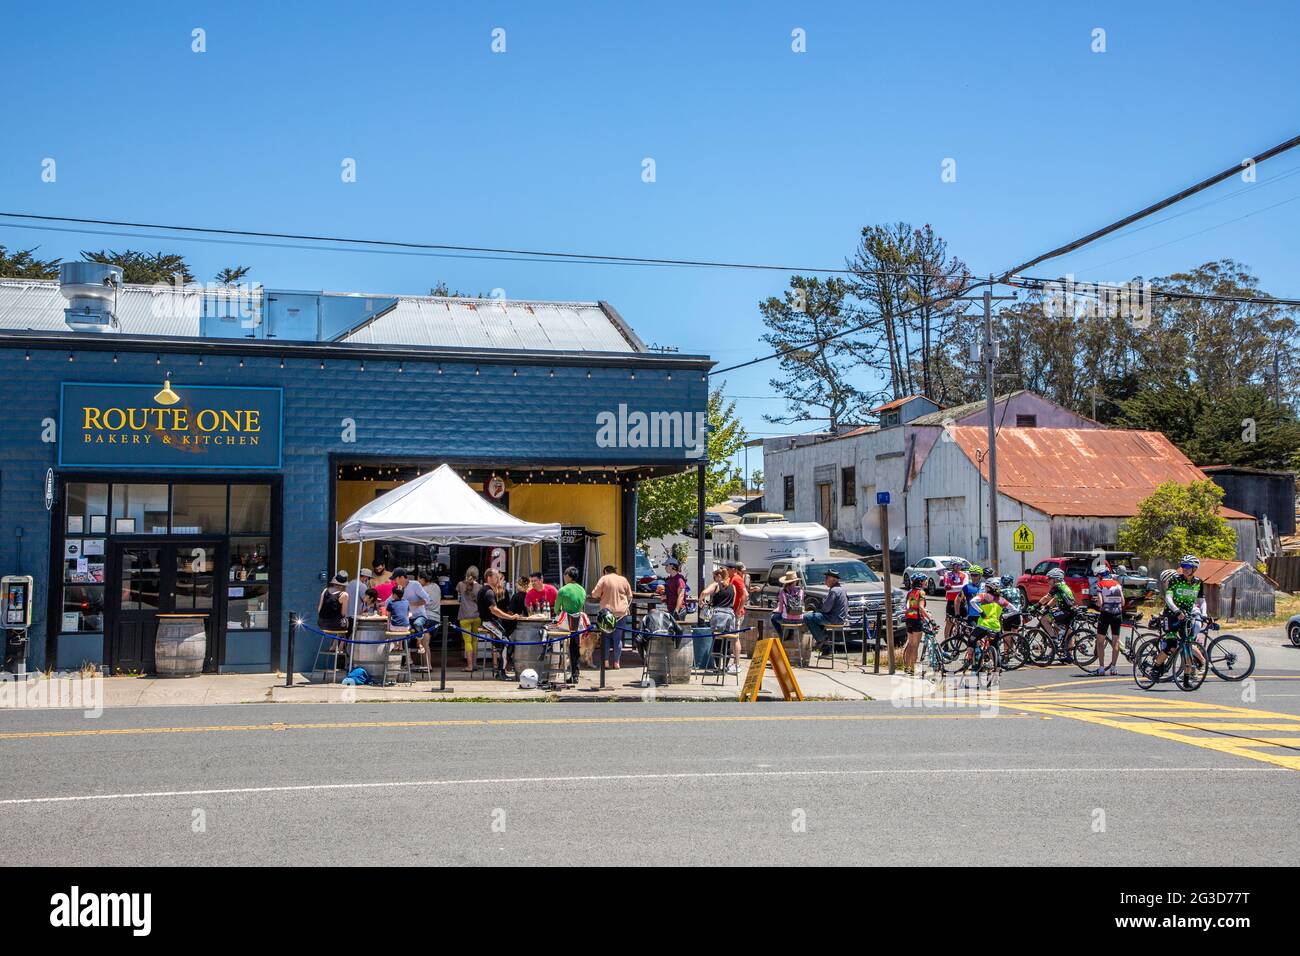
[91, 290]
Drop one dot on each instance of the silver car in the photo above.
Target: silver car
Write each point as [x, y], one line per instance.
[933, 567]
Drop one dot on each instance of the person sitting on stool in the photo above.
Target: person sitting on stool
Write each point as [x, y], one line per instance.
[835, 610]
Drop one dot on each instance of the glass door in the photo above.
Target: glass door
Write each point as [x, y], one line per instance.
[139, 594]
[169, 577]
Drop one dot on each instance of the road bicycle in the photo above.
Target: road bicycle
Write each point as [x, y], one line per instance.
[973, 650]
[1074, 644]
[1185, 662]
[930, 654]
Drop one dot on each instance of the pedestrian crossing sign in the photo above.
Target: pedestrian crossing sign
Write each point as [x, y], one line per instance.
[1023, 538]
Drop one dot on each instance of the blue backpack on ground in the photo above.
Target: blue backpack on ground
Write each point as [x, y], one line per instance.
[357, 675]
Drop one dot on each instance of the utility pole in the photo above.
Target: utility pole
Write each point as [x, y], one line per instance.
[990, 356]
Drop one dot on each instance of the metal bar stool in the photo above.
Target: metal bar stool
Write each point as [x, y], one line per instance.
[797, 629]
[836, 634]
[397, 660]
[721, 651]
[331, 653]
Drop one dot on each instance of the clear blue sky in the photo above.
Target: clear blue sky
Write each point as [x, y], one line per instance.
[762, 154]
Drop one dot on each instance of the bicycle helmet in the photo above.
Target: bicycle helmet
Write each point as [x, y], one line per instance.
[606, 621]
[953, 565]
[1190, 561]
[965, 565]
[1166, 576]
[993, 585]
[975, 571]
[1056, 574]
[918, 580]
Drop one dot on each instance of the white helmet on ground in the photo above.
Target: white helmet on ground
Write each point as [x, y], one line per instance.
[528, 679]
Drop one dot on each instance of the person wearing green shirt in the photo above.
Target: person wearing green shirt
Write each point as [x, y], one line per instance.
[570, 600]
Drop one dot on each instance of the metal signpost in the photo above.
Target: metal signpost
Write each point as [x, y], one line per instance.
[882, 500]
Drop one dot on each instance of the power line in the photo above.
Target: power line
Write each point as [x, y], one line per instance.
[492, 251]
[1154, 207]
[1030, 283]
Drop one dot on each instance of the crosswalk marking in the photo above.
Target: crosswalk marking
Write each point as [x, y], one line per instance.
[1238, 731]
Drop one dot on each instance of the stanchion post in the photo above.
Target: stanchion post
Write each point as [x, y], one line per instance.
[442, 687]
[293, 633]
[601, 648]
[876, 668]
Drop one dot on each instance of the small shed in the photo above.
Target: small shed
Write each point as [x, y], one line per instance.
[1235, 589]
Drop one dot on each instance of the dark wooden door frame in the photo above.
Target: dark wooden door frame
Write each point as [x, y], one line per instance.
[169, 546]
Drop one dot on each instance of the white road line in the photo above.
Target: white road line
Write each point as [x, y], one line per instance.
[597, 778]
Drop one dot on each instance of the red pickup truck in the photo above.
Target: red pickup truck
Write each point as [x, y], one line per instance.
[1076, 565]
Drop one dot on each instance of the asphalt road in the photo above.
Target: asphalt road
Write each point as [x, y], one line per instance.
[1064, 769]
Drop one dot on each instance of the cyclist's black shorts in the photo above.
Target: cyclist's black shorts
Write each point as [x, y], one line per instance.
[913, 625]
[1010, 622]
[977, 634]
[1108, 622]
[952, 607]
[1063, 618]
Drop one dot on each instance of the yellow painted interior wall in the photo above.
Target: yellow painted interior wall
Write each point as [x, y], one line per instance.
[595, 507]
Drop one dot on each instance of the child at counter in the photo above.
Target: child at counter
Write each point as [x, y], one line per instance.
[399, 611]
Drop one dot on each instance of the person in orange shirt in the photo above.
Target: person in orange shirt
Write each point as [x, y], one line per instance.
[615, 595]
[916, 615]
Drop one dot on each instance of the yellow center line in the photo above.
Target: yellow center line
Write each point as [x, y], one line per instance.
[379, 724]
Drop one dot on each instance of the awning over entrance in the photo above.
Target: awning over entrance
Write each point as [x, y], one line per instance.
[439, 508]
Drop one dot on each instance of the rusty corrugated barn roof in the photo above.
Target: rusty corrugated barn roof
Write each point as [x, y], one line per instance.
[1098, 472]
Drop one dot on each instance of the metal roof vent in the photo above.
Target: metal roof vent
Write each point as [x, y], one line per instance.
[91, 291]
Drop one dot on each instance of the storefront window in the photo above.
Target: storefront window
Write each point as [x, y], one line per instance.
[139, 509]
[83, 609]
[194, 578]
[248, 593]
[250, 509]
[141, 579]
[198, 509]
[87, 508]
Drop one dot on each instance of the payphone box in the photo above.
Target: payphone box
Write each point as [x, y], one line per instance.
[16, 601]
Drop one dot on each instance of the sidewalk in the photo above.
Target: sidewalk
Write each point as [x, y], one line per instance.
[853, 683]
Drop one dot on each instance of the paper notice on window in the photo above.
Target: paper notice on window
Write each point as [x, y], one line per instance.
[235, 592]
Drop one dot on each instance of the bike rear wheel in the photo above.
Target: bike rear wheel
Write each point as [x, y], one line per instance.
[953, 651]
[1231, 658]
[1146, 674]
[1084, 652]
[1014, 659]
[1039, 648]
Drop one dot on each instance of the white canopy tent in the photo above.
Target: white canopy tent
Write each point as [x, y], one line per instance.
[440, 509]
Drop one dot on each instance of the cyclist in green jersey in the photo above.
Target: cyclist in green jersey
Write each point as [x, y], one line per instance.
[1184, 606]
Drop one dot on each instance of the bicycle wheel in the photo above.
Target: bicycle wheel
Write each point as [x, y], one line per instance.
[1015, 658]
[1084, 653]
[1145, 672]
[1231, 658]
[953, 651]
[1039, 649]
[1191, 668]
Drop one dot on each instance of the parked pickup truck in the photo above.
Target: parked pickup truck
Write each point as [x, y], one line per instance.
[1077, 565]
[862, 586]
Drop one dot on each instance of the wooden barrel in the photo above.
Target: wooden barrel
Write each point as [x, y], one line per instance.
[180, 645]
[669, 659]
[529, 654]
[373, 657]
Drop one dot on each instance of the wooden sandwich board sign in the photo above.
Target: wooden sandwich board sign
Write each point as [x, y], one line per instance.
[769, 650]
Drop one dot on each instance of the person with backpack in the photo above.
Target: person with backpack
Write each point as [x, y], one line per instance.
[332, 608]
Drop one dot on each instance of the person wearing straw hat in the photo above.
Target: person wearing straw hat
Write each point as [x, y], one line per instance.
[789, 603]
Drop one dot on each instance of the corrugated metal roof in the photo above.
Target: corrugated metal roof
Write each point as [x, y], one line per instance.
[37, 304]
[897, 403]
[1215, 571]
[496, 324]
[1097, 472]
